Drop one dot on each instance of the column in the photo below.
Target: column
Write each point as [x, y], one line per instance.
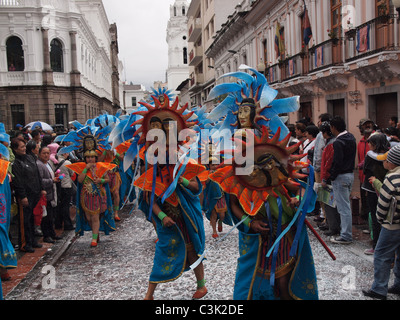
[75, 74]
[47, 72]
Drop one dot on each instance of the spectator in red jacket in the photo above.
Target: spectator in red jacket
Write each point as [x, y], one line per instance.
[331, 214]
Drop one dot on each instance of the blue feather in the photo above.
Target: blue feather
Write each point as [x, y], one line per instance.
[4, 151]
[240, 75]
[267, 96]
[223, 88]
[77, 124]
[222, 109]
[130, 156]
[60, 138]
[286, 105]
[67, 149]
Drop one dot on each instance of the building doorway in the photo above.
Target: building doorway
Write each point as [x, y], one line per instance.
[305, 110]
[382, 107]
[337, 108]
[17, 114]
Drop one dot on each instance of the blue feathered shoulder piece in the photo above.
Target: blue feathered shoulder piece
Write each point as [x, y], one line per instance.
[105, 120]
[101, 136]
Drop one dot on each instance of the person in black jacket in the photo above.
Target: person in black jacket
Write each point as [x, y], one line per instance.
[28, 189]
[342, 176]
[378, 145]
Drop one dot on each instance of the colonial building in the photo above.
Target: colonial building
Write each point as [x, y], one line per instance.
[340, 56]
[58, 61]
[133, 93]
[178, 67]
[205, 17]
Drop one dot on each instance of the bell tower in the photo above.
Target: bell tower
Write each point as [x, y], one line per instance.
[178, 67]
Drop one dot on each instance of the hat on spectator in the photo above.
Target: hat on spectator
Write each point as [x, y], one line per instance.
[364, 121]
[392, 156]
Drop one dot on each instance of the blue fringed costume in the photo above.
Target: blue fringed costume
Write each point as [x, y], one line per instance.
[8, 257]
[253, 272]
[170, 259]
[275, 259]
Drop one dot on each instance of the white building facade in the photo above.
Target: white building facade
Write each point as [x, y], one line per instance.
[133, 93]
[58, 59]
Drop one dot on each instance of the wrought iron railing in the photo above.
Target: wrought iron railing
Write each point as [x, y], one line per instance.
[379, 34]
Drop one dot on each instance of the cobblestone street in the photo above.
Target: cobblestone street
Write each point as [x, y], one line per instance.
[119, 267]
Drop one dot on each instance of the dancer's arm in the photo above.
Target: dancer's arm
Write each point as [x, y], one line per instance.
[165, 220]
[256, 225]
[192, 185]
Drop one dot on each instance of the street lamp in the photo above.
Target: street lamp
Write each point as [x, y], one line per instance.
[396, 3]
[261, 67]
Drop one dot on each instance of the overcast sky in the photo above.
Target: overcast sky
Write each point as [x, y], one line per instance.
[142, 27]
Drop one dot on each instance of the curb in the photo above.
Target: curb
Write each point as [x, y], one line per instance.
[49, 258]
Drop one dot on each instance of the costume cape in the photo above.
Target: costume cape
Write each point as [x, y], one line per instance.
[170, 255]
[8, 257]
[248, 285]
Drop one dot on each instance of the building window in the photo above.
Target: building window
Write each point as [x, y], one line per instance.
[61, 114]
[185, 57]
[183, 11]
[17, 114]
[15, 54]
[336, 20]
[265, 51]
[382, 7]
[56, 56]
[133, 101]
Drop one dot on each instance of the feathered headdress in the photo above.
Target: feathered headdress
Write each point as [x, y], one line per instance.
[255, 86]
[163, 111]
[87, 139]
[275, 169]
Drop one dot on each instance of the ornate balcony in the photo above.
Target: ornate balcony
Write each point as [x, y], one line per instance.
[292, 73]
[372, 49]
[196, 56]
[194, 29]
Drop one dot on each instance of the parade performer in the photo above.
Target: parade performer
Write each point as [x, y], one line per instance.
[275, 260]
[171, 193]
[115, 176]
[94, 203]
[214, 203]
[8, 257]
[115, 181]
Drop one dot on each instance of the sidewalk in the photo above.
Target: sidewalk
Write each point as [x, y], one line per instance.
[48, 254]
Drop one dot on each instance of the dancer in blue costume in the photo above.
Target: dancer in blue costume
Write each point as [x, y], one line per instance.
[170, 194]
[94, 203]
[8, 257]
[275, 259]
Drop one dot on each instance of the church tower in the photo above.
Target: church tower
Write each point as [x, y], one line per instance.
[178, 67]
